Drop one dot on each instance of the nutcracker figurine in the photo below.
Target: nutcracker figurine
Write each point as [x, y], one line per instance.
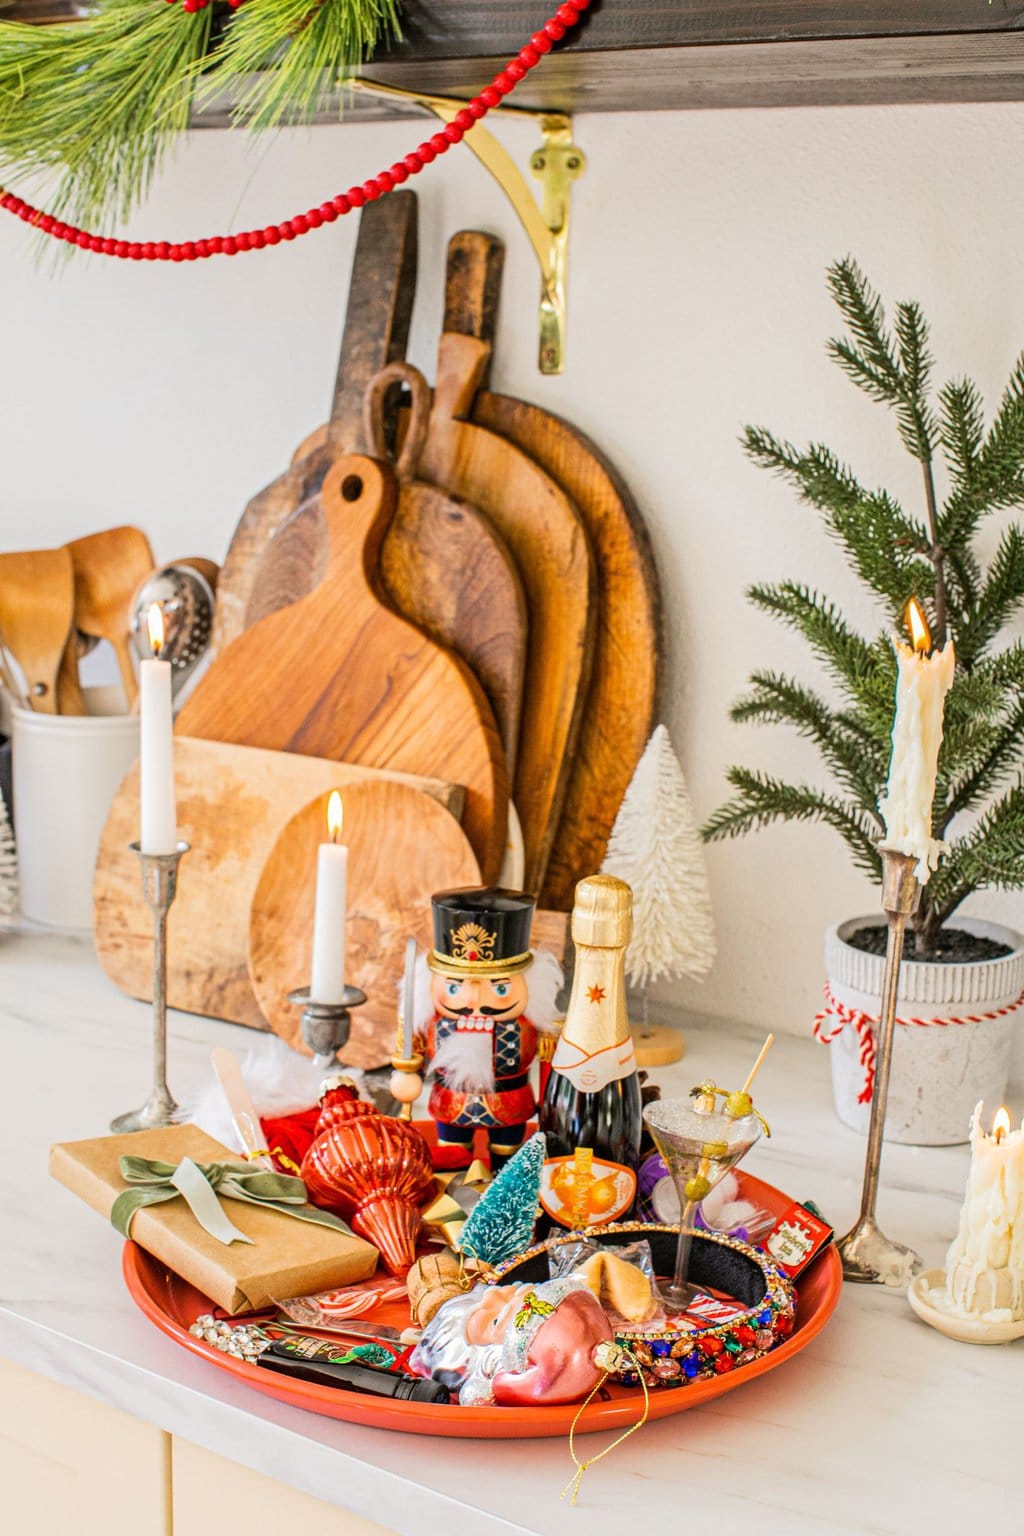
[490, 1000]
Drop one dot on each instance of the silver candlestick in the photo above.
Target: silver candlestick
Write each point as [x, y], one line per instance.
[867, 1254]
[326, 1026]
[159, 887]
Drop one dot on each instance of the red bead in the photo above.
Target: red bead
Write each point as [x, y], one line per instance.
[134, 250]
[174, 253]
[452, 132]
[121, 248]
[95, 243]
[242, 241]
[569, 15]
[440, 144]
[342, 203]
[148, 249]
[46, 222]
[287, 229]
[530, 55]
[465, 119]
[371, 190]
[109, 247]
[399, 172]
[503, 83]
[710, 1346]
[163, 250]
[188, 251]
[515, 69]
[426, 152]
[82, 240]
[490, 96]
[744, 1334]
[554, 29]
[724, 1363]
[313, 217]
[541, 42]
[476, 109]
[328, 212]
[356, 197]
[414, 160]
[229, 245]
[385, 182]
[256, 240]
[272, 235]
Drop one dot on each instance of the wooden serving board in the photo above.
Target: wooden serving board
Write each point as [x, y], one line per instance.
[444, 566]
[377, 321]
[624, 691]
[402, 846]
[549, 545]
[232, 804]
[338, 674]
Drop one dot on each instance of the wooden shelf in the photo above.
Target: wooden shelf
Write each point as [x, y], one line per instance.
[664, 55]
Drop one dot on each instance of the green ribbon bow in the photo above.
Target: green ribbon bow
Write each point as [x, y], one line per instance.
[204, 1185]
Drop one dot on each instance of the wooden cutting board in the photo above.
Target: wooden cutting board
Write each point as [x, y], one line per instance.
[377, 320]
[624, 691]
[338, 674]
[232, 804]
[549, 545]
[402, 846]
[444, 566]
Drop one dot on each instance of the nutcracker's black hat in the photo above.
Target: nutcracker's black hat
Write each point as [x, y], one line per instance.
[481, 931]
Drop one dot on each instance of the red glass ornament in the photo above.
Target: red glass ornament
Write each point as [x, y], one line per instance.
[373, 1170]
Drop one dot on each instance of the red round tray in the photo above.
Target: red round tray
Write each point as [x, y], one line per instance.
[172, 1304]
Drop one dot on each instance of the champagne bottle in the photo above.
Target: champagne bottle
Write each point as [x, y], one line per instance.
[591, 1114]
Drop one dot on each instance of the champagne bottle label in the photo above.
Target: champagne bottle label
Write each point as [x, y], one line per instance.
[593, 1070]
[586, 1191]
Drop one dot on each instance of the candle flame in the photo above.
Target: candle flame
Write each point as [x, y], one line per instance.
[334, 816]
[919, 632]
[155, 625]
[1001, 1123]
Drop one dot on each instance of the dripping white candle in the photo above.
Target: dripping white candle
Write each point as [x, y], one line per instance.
[924, 678]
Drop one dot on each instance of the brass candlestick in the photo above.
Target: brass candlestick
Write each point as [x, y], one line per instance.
[867, 1254]
[326, 1026]
[406, 1083]
[159, 887]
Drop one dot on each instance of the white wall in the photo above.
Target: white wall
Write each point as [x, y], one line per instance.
[167, 395]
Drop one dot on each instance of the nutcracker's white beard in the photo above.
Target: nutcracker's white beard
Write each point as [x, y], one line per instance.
[465, 1058]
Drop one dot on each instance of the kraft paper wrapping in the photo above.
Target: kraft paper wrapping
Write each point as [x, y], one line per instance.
[286, 1257]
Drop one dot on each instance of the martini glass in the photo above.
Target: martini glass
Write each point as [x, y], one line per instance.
[700, 1141]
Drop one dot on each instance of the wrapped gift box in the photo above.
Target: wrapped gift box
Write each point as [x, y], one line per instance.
[287, 1257]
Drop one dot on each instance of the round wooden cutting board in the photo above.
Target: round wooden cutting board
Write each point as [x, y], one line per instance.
[402, 846]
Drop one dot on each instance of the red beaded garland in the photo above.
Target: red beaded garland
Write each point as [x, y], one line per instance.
[553, 30]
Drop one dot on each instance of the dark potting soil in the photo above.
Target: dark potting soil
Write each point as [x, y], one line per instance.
[956, 946]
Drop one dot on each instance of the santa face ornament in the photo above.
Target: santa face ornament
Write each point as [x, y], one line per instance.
[481, 1033]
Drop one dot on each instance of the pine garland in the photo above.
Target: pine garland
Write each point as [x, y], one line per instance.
[98, 103]
[897, 554]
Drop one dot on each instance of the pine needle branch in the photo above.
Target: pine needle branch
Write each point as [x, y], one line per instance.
[761, 800]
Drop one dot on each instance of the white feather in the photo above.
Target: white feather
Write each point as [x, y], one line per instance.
[279, 1080]
[545, 980]
[466, 1057]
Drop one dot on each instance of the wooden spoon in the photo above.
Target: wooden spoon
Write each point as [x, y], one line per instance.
[108, 568]
[37, 600]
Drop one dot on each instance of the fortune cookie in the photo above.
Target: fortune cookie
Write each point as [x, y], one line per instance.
[620, 1287]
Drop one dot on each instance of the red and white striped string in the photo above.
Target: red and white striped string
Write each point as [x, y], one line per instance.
[836, 1016]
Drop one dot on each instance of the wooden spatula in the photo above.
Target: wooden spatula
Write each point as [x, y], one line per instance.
[108, 568]
[338, 674]
[37, 600]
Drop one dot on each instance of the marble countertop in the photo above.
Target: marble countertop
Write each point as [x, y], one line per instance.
[881, 1425]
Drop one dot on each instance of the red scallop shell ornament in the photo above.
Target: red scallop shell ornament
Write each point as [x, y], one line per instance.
[371, 1169]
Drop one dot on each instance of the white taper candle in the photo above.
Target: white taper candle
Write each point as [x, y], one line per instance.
[327, 981]
[158, 832]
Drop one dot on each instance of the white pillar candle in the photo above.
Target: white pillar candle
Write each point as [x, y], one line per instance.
[923, 680]
[985, 1263]
[327, 982]
[158, 832]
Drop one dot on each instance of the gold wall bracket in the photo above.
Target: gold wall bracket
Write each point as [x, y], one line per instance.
[556, 164]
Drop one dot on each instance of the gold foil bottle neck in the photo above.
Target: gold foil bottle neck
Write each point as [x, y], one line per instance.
[602, 914]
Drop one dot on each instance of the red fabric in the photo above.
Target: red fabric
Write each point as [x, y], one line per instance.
[291, 1135]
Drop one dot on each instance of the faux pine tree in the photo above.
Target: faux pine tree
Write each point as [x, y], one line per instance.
[8, 870]
[969, 473]
[655, 847]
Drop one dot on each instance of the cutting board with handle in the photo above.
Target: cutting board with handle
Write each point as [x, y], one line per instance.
[232, 805]
[549, 544]
[377, 322]
[444, 566]
[339, 674]
[402, 847]
[37, 602]
[623, 696]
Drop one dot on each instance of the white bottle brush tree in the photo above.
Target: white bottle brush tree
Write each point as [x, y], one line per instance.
[655, 846]
[8, 870]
